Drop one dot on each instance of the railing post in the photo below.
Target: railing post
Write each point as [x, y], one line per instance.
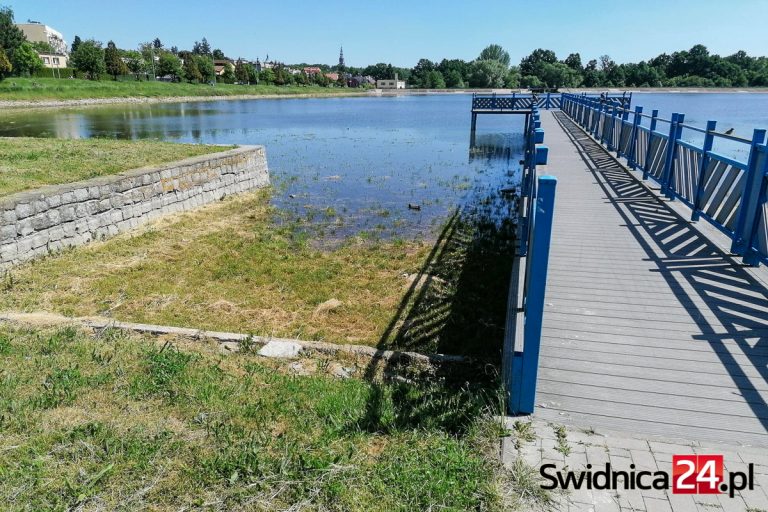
[612, 138]
[654, 120]
[598, 129]
[547, 105]
[749, 207]
[624, 118]
[709, 139]
[667, 176]
[526, 363]
[631, 160]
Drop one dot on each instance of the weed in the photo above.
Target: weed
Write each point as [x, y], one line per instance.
[59, 388]
[524, 431]
[561, 435]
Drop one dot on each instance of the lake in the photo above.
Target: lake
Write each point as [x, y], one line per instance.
[354, 165]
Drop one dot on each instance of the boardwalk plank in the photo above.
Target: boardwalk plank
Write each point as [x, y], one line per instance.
[648, 327]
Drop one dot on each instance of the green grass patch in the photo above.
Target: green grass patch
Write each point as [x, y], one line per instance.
[27, 163]
[78, 89]
[228, 266]
[243, 266]
[179, 425]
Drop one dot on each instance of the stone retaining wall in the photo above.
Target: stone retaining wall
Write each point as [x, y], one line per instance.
[48, 219]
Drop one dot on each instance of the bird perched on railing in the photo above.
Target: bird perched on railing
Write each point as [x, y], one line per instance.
[729, 131]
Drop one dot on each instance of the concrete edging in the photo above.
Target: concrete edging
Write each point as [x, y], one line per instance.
[228, 338]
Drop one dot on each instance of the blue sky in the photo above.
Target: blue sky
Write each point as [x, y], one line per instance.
[402, 32]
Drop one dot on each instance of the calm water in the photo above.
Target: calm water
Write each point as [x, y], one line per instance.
[349, 165]
[741, 111]
[355, 164]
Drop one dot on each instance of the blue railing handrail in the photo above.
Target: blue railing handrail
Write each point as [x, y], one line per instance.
[544, 100]
[536, 210]
[727, 192]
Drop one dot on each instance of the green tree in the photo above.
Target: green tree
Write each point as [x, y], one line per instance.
[419, 74]
[114, 62]
[558, 75]
[202, 48]
[11, 36]
[42, 47]
[531, 81]
[512, 80]
[592, 77]
[241, 74]
[455, 71]
[135, 62]
[268, 76]
[89, 59]
[26, 60]
[380, 71]
[573, 61]
[253, 75]
[487, 74]
[531, 65]
[169, 65]
[5, 64]
[219, 55]
[495, 52]
[434, 80]
[454, 80]
[191, 71]
[205, 66]
[75, 44]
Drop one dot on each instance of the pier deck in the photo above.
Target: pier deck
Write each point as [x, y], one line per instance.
[649, 326]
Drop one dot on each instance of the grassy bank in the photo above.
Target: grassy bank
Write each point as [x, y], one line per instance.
[241, 265]
[28, 163]
[65, 89]
[111, 422]
[228, 266]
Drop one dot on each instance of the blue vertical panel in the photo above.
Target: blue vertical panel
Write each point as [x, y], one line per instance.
[709, 139]
[654, 121]
[669, 161]
[523, 397]
[633, 137]
[748, 213]
[753, 256]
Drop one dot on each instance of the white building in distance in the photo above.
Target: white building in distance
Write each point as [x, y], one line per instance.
[39, 33]
[390, 84]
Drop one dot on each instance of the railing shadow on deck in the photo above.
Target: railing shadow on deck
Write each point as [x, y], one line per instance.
[704, 278]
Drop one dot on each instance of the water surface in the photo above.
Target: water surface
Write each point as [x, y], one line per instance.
[393, 166]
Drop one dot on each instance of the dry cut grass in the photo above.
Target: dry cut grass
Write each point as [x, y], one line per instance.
[229, 266]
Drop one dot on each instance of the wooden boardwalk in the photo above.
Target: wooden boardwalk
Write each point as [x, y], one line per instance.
[649, 327]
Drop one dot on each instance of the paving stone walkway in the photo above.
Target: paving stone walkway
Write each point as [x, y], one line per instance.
[580, 447]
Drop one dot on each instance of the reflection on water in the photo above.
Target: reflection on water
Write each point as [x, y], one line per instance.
[346, 165]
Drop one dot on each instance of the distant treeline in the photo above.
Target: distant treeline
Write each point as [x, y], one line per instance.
[491, 69]
[692, 68]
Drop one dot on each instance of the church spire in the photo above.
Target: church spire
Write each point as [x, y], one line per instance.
[341, 59]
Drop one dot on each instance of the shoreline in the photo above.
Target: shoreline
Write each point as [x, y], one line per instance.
[86, 102]
[143, 100]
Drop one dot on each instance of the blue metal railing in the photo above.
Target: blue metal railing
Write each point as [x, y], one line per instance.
[526, 308]
[728, 192]
[524, 101]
